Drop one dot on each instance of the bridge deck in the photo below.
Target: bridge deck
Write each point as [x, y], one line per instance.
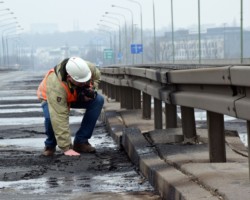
[180, 169]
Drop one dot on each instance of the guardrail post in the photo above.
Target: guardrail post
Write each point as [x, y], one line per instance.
[136, 99]
[248, 143]
[158, 113]
[216, 137]
[100, 86]
[112, 92]
[123, 97]
[104, 88]
[128, 97]
[188, 122]
[146, 106]
[109, 90]
[170, 115]
[117, 93]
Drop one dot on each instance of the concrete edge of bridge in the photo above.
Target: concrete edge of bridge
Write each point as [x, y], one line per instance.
[168, 181]
[176, 171]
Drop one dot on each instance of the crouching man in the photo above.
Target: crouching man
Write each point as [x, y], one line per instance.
[73, 83]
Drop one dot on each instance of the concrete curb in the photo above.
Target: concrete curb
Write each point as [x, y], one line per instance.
[114, 125]
[168, 181]
[176, 169]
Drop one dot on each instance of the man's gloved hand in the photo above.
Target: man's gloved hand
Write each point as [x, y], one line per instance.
[88, 92]
[71, 152]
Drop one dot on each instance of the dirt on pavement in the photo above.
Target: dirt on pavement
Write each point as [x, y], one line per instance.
[26, 174]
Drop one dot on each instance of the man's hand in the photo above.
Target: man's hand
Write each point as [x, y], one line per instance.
[87, 98]
[71, 152]
[89, 92]
[86, 94]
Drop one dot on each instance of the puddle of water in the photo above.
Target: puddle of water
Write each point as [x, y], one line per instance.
[13, 109]
[203, 116]
[32, 120]
[38, 143]
[44, 185]
[113, 182]
[126, 181]
[30, 186]
[97, 140]
[243, 137]
[17, 92]
[22, 110]
[21, 105]
[21, 121]
[18, 98]
[29, 143]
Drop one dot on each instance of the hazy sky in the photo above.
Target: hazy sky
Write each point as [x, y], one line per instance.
[88, 13]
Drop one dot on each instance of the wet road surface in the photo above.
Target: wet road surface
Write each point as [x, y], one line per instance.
[26, 174]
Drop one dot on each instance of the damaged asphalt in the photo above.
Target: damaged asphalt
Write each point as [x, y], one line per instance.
[26, 174]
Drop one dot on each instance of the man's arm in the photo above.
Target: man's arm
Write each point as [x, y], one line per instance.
[59, 112]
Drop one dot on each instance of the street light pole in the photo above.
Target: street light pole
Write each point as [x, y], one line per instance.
[141, 25]
[7, 48]
[199, 31]
[119, 33]
[110, 28]
[126, 37]
[11, 35]
[13, 26]
[110, 37]
[1, 15]
[110, 40]
[241, 32]
[5, 44]
[132, 19]
[154, 31]
[172, 19]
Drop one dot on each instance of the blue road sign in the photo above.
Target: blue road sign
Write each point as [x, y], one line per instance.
[119, 56]
[136, 48]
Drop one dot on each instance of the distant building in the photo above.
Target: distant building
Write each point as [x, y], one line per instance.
[216, 43]
[44, 28]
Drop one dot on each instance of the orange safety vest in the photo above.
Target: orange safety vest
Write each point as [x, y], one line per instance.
[42, 90]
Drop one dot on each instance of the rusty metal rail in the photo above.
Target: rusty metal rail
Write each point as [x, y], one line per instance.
[220, 90]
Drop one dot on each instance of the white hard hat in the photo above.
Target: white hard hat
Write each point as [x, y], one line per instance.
[78, 69]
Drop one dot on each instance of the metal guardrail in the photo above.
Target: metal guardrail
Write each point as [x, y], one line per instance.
[220, 90]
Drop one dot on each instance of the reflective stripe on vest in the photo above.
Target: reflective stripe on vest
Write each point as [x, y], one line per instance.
[42, 90]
